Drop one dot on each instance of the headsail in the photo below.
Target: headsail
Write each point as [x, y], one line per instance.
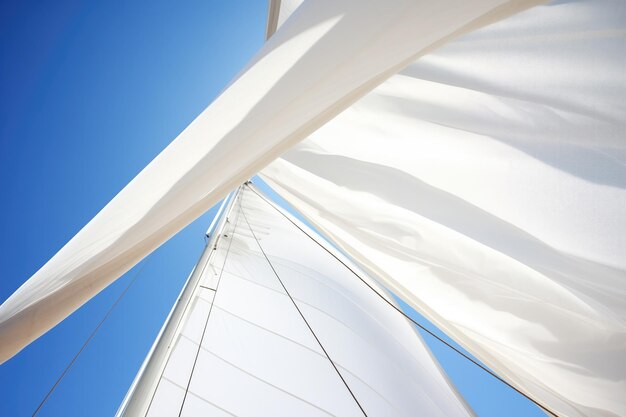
[485, 184]
[244, 348]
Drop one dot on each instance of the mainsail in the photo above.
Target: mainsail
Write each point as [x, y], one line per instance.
[277, 325]
[483, 184]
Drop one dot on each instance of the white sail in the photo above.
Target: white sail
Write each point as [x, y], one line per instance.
[486, 185]
[244, 348]
[327, 55]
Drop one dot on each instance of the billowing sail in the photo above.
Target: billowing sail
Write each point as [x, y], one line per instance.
[271, 309]
[327, 55]
[486, 185]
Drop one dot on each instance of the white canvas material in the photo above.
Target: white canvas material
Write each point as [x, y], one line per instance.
[325, 56]
[485, 185]
[243, 349]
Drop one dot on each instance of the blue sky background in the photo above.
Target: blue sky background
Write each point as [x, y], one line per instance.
[90, 92]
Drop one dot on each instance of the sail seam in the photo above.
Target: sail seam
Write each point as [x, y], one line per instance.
[240, 369]
[318, 353]
[309, 305]
[198, 396]
[300, 312]
[475, 362]
[207, 288]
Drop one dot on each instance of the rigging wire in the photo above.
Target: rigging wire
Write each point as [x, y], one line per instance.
[421, 326]
[300, 312]
[219, 279]
[91, 336]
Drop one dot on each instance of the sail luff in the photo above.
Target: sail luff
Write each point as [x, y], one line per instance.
[136, 401]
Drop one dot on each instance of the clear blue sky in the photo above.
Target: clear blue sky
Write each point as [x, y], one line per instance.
[90, 92]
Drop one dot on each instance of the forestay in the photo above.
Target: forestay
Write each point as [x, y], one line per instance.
[244, 349]
[485, 185]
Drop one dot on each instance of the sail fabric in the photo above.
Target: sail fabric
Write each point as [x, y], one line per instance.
[485, 185]
[244, 349]
[324, 57]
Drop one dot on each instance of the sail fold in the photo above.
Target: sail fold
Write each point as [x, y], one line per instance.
[485, 184]
[325, 56]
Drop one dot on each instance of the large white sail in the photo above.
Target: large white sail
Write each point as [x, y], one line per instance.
[269, 310]
[327, 55]
[486, 185]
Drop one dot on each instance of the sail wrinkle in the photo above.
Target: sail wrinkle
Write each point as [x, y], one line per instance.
[326, 55]
[485, 186]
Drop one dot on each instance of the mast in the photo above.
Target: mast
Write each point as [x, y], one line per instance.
[137, 399]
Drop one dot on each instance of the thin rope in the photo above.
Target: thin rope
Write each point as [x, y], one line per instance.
[219, 279]
[91, 336]
[300, 312]
[484, 368]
